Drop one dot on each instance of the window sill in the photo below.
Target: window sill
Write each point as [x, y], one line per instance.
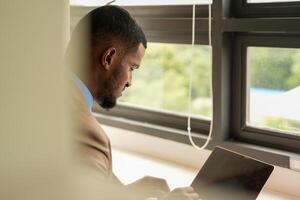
[272, 156]
[145, 154]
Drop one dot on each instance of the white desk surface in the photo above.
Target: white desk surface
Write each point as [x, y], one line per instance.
[129, 166]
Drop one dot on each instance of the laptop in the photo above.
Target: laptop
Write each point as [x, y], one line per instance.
[227, 175]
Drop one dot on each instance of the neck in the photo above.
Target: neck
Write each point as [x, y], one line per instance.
[84, 77]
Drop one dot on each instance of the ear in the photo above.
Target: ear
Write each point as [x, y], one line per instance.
[108, 57]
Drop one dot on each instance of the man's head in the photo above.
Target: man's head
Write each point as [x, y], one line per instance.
[113, 46]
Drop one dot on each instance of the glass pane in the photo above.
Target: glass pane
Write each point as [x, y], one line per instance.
[270, 1]
[274, 88]
[139, 3]
[162, 82]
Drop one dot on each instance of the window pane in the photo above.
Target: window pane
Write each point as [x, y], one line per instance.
[274, 88]
[269, 1]
[162, 82]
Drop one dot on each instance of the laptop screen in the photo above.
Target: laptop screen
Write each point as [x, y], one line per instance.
[228, 175]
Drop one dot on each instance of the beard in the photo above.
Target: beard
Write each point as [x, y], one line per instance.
[107, 102]
[105, 95]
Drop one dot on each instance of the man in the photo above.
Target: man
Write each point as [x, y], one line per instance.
[106, 47]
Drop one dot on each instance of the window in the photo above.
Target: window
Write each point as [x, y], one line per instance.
[266, 8]
[254, 70]
[158, 96]
[162, 82]
[274, 88]
[265, 84]
[269, 1]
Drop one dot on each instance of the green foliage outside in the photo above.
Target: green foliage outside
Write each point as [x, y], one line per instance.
[162, 82]
[282, 124]
[274, 68]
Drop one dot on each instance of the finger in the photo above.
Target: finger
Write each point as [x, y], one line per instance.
[164, 186]
[186, 189]
[160, 193]
[161, 184]
[189, 189]
[194, 196]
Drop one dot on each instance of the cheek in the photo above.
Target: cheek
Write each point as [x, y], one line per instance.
[124, 75]
[120, 79]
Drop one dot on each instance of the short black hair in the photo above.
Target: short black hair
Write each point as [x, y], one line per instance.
[115, 22]
[109, 23]
[100, 28]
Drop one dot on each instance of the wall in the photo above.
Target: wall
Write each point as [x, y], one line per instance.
[34, 143]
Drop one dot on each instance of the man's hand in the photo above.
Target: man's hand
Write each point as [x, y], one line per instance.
[150, 186]
[185, 193]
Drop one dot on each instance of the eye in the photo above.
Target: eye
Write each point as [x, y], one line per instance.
[132, 68]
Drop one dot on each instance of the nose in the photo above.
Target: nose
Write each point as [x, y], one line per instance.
[128, 84]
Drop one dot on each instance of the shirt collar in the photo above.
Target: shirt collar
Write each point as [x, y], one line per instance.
[85, 91]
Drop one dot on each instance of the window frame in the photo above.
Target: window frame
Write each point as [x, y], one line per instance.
[166, 24]
[233, 24]
[156, 117]
[252, 134]
[243, 9]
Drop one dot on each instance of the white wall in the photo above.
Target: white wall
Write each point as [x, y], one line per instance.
[33, 128]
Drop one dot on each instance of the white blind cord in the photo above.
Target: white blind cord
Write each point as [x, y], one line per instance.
[191, 84]
[209, 25]
[110, 2]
